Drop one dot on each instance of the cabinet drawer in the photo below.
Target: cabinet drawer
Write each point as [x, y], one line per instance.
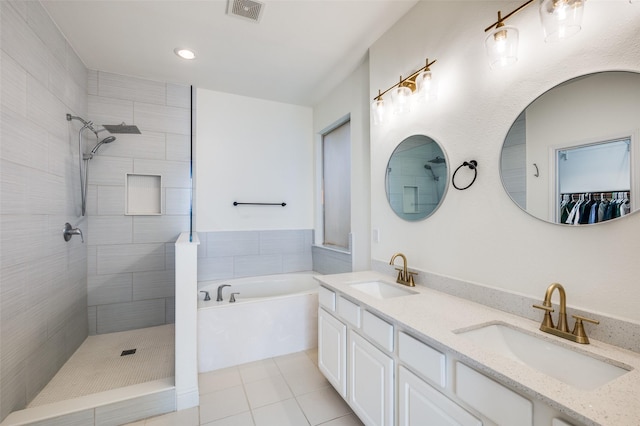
[422, 359]
[378, 330]
[421, 404]
[349, 311]
[500, 404]
[327, 298]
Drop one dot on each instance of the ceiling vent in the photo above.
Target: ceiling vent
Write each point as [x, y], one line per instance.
[246, 9]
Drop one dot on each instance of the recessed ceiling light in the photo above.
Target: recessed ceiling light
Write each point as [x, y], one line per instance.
[184, 53]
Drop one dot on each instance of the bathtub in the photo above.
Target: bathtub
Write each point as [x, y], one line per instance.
[273, 315]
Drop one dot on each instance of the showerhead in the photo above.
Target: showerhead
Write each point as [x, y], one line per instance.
[428, 167]
[437, 160]
[108, 139]
[122, 128]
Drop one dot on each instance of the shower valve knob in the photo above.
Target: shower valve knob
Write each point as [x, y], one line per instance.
[68, 231]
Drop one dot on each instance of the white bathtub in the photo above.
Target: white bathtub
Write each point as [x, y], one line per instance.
[273, 315]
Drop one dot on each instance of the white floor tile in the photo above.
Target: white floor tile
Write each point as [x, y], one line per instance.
[305, 380]
[243, 419]
[323, 405]
[284, 413]
[189, 417]
[267, 391]
[350, 420]
[258, 370]
[223, 403]
[217, 380]
[296, 361]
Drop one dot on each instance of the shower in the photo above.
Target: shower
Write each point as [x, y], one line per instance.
[428, 167]
[83, 158]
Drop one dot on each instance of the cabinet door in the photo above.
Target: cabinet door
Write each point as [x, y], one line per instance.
[419, 404]
[370, 382]
[332, 351]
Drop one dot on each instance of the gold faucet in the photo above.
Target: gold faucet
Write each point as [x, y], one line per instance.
[578, 334]
[404, 276]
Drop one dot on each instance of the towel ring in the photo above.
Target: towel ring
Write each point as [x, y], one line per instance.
[473, 165]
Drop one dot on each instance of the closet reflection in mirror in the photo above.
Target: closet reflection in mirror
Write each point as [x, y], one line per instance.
[576, 145]
[416, 178]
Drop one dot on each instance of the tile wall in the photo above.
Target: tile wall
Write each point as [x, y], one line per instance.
[131, 258]
[235, 254]
[43, 291]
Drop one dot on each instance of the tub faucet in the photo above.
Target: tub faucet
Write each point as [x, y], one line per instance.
[232, 299]
[578, 334]
[220, 287]
[206, 295]
[404, 276]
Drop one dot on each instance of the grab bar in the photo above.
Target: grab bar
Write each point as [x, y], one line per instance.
[235, 203]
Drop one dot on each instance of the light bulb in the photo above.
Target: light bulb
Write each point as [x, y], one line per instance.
[401, 99]
[561, 18]
[379, 111]
[502, 46]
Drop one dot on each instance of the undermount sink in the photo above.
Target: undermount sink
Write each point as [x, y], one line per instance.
[381, 290]
[569, 366]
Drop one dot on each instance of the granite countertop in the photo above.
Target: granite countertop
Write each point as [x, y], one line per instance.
[433, 316]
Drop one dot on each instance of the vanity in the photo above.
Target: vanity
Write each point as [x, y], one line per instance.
[414, 356]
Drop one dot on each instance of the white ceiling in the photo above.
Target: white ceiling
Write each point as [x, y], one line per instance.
[297, 53]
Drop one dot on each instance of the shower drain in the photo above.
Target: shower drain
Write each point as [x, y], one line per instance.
[128, 352]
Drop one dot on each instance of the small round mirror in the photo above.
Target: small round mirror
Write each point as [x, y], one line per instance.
[416, 178]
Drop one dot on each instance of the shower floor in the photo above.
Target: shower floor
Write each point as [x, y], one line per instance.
[98, 366]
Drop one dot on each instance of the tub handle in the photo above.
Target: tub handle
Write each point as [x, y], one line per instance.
[206, 295]
[232, 299]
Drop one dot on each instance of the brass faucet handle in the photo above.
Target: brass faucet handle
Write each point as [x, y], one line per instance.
[549, 309]
[410, 278]
[581, 318]
[401, 276]
[578, 328]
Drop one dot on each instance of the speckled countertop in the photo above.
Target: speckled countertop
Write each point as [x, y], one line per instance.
[434, 316]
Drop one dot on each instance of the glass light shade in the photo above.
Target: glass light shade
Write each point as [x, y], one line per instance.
[379, 111]
[561, 18]
[502, 46]
[401, 97]
[427, 87]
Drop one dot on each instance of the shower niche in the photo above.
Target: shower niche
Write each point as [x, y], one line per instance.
[143, 194]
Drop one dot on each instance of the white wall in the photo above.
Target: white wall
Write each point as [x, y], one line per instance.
[480, 235]
[350, 99]
[252, 150]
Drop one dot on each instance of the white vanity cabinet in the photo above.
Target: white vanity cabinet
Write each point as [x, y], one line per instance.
[332, 351]
[370, 382]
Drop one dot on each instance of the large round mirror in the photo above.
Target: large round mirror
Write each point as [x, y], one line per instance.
[570, 156]
[416, 177]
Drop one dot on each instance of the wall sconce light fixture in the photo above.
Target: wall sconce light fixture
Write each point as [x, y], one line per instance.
[502, 42]
[560, 19]
[420, 84]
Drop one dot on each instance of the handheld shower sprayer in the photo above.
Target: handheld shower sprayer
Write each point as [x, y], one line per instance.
[108, 139]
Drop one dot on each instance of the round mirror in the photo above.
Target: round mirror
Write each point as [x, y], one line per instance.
[569, 157]
[416, 177]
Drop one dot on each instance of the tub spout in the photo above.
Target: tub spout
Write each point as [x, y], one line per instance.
[220, 287]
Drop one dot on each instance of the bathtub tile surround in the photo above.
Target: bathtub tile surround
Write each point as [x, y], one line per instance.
[234, 254]
[43, 288]
[131, 258]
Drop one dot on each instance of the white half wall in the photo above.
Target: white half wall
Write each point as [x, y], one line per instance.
[252, 150]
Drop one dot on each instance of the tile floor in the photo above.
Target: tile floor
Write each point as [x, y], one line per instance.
[283, 391]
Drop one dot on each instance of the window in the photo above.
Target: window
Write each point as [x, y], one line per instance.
[336, 186]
